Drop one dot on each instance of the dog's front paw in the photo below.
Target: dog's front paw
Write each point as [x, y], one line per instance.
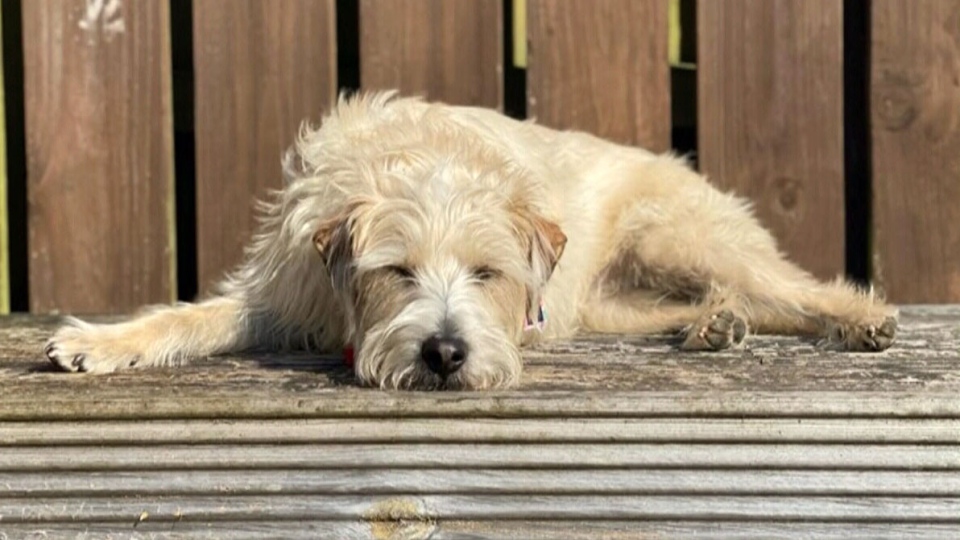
[720, 330]
[865, 337]
[88, 349]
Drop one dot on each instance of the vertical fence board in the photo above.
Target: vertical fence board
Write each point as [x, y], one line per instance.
[447, 51]
[261, 69]
[601, 66]
[99, 154]
[770, 103]
[915, 122]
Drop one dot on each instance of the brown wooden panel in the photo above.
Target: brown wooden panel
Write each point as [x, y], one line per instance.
[447, 51]
[770, 103]
[601, 66]
[261, 68]
[915, 122]
[99, 151]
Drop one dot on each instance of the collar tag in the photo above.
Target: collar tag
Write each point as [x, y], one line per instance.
[541, 321]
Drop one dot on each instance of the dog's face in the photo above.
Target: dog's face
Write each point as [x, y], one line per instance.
[437, 278]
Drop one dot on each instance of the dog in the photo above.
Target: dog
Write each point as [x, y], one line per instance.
[437, 241]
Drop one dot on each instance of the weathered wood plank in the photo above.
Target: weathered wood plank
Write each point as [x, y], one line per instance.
[770, 106]
[710, 530]
[301, 529]
[261, 68]
[485, 507]
[872, 483]
[601, 66]
[346, 403]
[591, 376]
[485, 455]
[331, 402]
[489, 530]
[416, 430]
[915, 97]
[446, 51]
[99, 155]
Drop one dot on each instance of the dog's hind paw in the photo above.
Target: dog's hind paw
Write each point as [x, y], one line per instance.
[81, 349]
[872, 336]
[718, 331]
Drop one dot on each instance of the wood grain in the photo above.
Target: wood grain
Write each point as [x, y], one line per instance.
[428, 508]
[526, 430]
[261, 69]
[244, 400]
[915, 121]
[601, 66]
[446, 51]
[308, 529]
[707, 529]
[99, 155]
[381, 482]
[485, 456]
[770, 101]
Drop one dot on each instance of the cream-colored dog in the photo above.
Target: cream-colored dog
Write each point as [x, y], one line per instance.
[429, 238]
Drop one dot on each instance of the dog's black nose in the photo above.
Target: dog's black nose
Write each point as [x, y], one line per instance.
[444, 356]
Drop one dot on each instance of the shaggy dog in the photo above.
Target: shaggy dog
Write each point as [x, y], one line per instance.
[436, 241]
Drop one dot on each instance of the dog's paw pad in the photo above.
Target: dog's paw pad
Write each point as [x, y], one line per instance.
[868, 337]
[722, 330]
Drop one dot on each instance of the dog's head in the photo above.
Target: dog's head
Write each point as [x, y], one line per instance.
[437, 276]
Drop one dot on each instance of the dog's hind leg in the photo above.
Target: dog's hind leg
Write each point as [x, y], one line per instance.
[160, 336]
[716, 322]
[694, 241]
[637, 312]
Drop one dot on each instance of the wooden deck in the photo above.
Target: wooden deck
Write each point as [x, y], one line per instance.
[612, 437]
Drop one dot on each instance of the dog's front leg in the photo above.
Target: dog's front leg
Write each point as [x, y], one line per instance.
[161, 336]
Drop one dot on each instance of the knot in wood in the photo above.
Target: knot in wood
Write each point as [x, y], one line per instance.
[896, 105]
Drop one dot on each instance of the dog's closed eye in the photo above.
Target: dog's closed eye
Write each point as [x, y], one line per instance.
[400, 271]
[485, 273]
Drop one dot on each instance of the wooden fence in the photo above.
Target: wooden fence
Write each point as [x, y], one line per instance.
[140, 131]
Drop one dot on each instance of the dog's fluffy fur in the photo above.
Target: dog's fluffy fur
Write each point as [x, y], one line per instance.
[402, 219]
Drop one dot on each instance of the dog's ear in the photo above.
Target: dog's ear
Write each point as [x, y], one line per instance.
[332, 239]
[546, 243]
[335, 242]
[550, 241]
